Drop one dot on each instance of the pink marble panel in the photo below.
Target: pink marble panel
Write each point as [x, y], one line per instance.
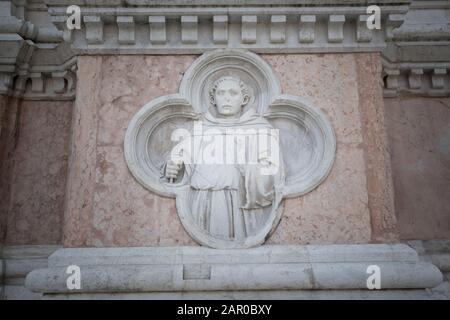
[419, 135]
[38, 164]
[337, 211]
[107, 207]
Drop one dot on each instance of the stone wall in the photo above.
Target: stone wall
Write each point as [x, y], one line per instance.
[353, 205]
[419, 134]
[344, 208]
[107, 207]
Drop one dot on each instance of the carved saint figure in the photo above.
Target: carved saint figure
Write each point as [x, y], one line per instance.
[235, 179]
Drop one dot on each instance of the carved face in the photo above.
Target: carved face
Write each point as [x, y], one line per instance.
[229, 98]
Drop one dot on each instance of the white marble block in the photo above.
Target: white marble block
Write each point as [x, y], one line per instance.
[248, 32]
[126, 29]
[336, 28]
[190, 269]
[157, 29]
[189, 29]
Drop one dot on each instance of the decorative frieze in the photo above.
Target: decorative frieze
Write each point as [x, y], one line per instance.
[263, 29]
[14, 60]
[140, 27]
[422, 79]
[45, 82]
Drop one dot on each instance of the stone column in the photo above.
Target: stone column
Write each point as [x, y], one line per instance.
[376, 149]
[82, 163]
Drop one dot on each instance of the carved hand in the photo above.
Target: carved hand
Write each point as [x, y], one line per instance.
[172, 170]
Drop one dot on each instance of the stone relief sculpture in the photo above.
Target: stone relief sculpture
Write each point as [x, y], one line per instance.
[230, 200]
[229, 147]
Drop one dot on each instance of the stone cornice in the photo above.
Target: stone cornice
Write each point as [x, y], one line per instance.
[19, 39]
[417, 78]
[47, 82]
[130, 28]
[34, 64]
[20, 78]
[227, 3]
[417, 61]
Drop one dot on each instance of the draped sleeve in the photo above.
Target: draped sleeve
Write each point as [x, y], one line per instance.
[263, 181]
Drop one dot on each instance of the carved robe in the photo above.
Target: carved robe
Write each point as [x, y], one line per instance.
[232, 200]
